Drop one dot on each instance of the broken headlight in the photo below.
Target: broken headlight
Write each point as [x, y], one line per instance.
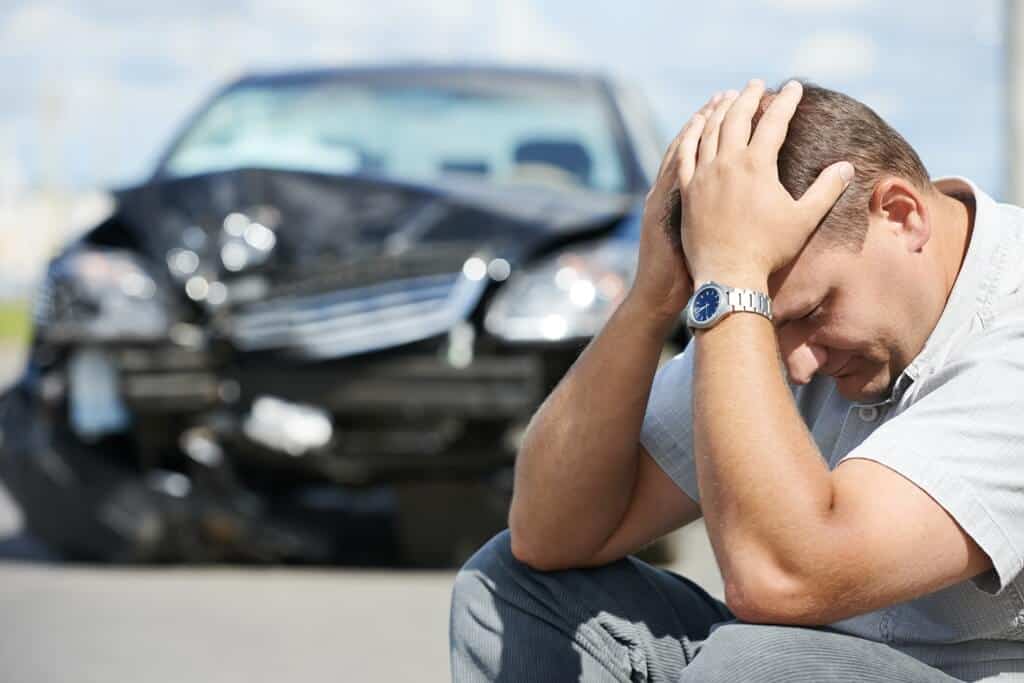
[100, 295]
[570, 295]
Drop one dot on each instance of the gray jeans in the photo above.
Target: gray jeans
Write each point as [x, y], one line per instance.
[629, 621]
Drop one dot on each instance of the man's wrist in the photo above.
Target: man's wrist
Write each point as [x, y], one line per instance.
[738, 279]
[654, 319]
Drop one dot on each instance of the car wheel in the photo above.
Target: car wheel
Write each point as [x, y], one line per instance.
[441, 524]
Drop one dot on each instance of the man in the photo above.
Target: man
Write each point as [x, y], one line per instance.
[866, 517]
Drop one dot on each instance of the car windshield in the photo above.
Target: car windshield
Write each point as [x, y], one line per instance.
[555, 136]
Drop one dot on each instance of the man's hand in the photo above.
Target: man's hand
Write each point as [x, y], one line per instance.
[663, 284]
[741, 223]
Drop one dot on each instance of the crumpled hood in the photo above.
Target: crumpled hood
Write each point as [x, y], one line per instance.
[321, 221]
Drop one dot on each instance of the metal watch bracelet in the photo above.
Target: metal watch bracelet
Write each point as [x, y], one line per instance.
[749, 301]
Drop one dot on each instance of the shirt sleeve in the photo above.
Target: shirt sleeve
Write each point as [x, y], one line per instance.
[962, 442]
[667, 431]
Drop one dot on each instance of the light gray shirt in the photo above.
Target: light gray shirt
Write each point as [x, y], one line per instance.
[953, 425]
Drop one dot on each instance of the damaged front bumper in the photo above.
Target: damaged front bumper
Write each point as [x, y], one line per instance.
[166, 453]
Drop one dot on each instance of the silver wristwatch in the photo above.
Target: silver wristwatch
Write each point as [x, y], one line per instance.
[712, 302]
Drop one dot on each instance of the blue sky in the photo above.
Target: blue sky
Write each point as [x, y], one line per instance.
[92, 89]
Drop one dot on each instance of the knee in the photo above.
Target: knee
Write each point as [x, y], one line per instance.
[476, 582]
[494, 554]
[489, 561]
[494, 571]
[738, 652]
[490, 584]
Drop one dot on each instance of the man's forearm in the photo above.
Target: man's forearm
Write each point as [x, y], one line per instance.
[765, 490]
[576, 468]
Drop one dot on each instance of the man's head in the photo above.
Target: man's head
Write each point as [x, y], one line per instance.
[827, 127]
[863, 296]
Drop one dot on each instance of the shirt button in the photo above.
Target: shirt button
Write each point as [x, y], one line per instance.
[868, 413]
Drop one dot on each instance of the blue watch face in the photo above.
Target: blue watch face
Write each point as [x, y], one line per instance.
[705, 305]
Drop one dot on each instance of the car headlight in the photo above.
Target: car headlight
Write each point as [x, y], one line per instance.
[100, 295]
[567, 296]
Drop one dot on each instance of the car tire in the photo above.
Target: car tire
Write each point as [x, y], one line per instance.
[441, 524]
[61, 496]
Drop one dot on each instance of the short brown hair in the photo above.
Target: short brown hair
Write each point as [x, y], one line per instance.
[827, 127]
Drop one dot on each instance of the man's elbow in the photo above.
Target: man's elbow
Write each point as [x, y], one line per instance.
[524, 549]
[769, 595]
[522, 552]
[549, 556]
[531, 556]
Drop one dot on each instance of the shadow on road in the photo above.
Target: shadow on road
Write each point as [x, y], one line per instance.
[23, 548]
[371, 543]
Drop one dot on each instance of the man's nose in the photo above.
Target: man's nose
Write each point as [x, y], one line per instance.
[801, 357]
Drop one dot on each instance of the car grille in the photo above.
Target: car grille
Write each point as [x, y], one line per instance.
[359, 319]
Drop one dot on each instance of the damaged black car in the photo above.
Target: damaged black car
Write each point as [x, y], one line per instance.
[318, 331]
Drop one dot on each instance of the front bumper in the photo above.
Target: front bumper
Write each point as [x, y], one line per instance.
[391, 416]
[507, 386]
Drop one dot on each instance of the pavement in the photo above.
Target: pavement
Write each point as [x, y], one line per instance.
[82, 623]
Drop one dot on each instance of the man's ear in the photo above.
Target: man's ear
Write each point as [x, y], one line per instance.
[901, 208]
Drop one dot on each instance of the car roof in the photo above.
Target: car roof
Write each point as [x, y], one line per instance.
[446, 72]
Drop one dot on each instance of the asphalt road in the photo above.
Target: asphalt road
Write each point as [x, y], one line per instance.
[99, 624]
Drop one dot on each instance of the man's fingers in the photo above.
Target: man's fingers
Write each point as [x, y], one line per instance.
[688, 150]
[825, 191]
[667, 171]
[698, 120]
[774, 123]
[710, 105]
[735, 133]
[665, 192]
[709, 140]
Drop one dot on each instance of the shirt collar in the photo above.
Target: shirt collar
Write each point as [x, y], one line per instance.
[976, 282]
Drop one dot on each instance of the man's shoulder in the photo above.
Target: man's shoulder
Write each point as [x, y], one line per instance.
[992, 353]
[1009, 213]
[1002, 334]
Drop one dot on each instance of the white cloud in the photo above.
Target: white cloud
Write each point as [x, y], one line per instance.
[522, 34]
[32, 23]
[835, 55]
[388, 30]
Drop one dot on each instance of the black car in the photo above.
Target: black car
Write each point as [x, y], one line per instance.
[318, 331]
